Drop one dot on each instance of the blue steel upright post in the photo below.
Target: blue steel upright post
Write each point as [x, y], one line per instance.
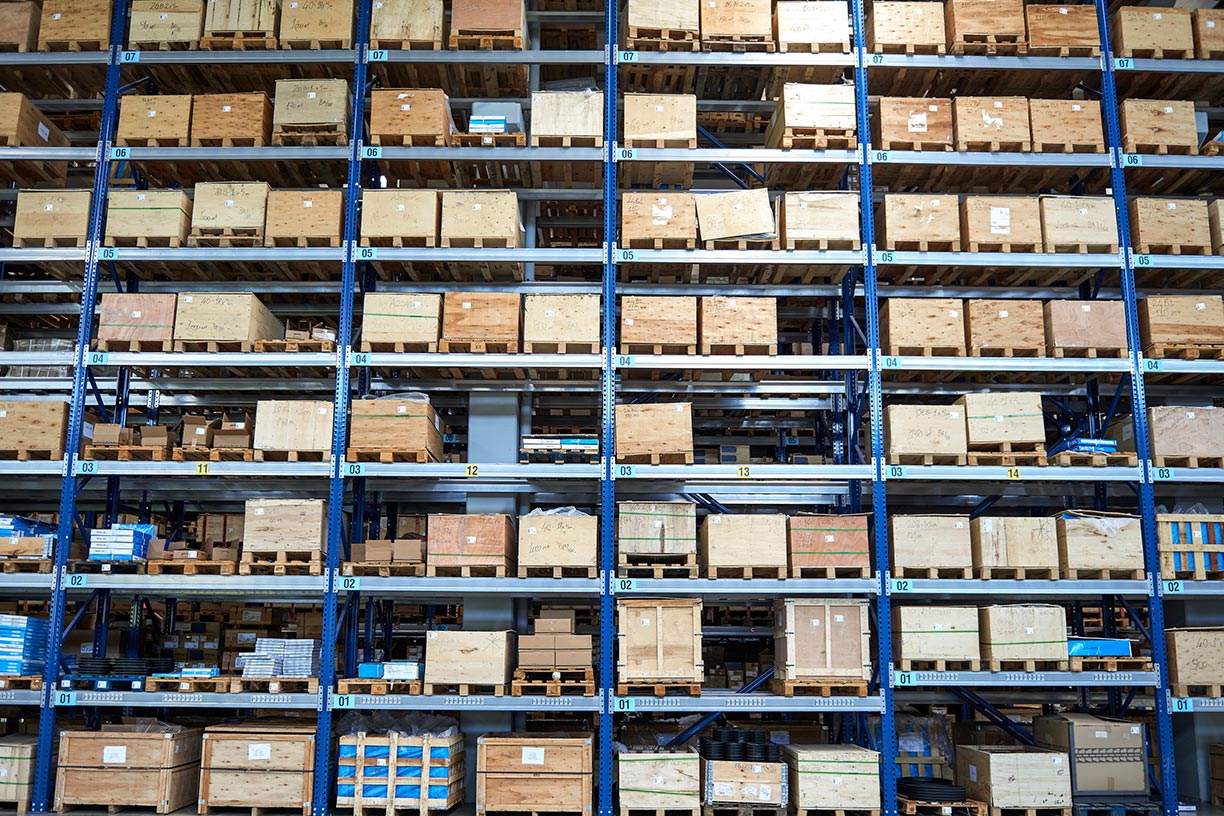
[41, 794]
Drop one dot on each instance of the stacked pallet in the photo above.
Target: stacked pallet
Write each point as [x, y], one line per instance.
[554, 661]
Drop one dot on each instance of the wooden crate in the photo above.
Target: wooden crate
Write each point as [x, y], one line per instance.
[310, 111]
[820, 221]
[399, 218]
[737, 21]
[1208, 33]
[481, 316]
[33, 426]
[125, 317]
[567, 119]
[229, 211]
[470, 541]
[656, 430]
[1023, 632]
[993, 123]
[1005, 418]
[941, 633]
[398, 426]
[1191, 545]
[1079, 224]
[1008, 328]
[1159, 126]
[289, 525]
[558, 541]
[123, 767]
[912, 123]
[51, 218]
[1015, 776]
[74, 25]
[147, 218]
[659, 778]
[315, 25]
[922, 326]
[455, 657]
[534, 772]
[231, 120]
[171, 25]
[662, 25]
[658, 220]
[1153, 33]
[1073, 326]
[812, 26]
[366, 762]
[1181, 320]
[240, 24]
[1001, 224]
[1062, 31]
[19, 26]
[738, 325]
[1170, 226]
[1085, 738]
[22, 124]
[1186, 433]
[1066, 125]
[154, 121]
[833, 777]
[1195, 656]
[660, 120]
[658, 324]
[401, 318]
[485, 218]
[823, 541]
[293, 425]
[658, 639]
[1091, 541]
[987, 27]
[906, 28]
[487, 24]
[741, 214]
[1215, 214]
[656, 528]
[554, 323]
[822, 639]
[304, 218]
[18, 754]
[1003, 544]
[225, 317]
[257, 765]
[920, 221]
[406, 24]
[931, 543]
[411, 116]
[815, 117]
[745, 540]
[925, 431]
[761, 784]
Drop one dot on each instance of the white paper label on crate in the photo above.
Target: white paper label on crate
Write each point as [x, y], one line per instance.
[381, 763]
[239, 426]
[679, 408]
[1000, 220]
[958, 524]
[998, 104]
[3, 773]
[405, 107]
[259, 511]
[3, 413]
[114, 754]
[830, 539]
[1076, 107]
[839, 618]
[309, 94]
[933, 108]
[1102, 735]
[954, 414]
[1168, 109]
[814, 622]
[972, 773]
[55, 16]
[1158, 16]
[43, 131]
[918, 12]
[658, 780]
[1085, 308]
[322, 411]
[1028, 630]
[471, 539]
[658, 524]
[645, 622]
[917, 123]
[136, 314]
[987, 525]
[533, 756]
[658, 108]
[550, 313]
[431, 635]
[723, 789]
[307, 203]
[1189, 415]
[628, 321]
[937, 627]
[1056, 760]
[475, 208]
[226, 108]
[259, 750]
[661, 213]
[1135, 729]
[715, 520]
[48, 207]
[756, 769]
[140, 196]
[998, 417]
[910, 743]
[1062, 11]
[1198, 307]
[229, 202]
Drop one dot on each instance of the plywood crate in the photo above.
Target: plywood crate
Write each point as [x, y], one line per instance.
[906, 28]
[658, 639]
[1079, 224]
[658, 778]
[168, 24]
[662, 25]
[147, 218]
[224, 317]
[366, 763]
[51, 218]
[19, 26]
[293, 425]
[22, 124]
[464, 541]
[1085, 328]
[554, 324]
[1164, 226]
[922, 432]
[154, 121]
[1067, 125]
[737, 22]
[304, 218]
[485, 218]
[660, 120]
[1217, 773]
[534, 772]
[311, 111]
[991, 123]
[1153, 33]
[1062, 31]
[922, 326]
[813, 117]
[762, 784]
[655, 433]
[1095, 541]
[228, 213]
[1023, 632]
[820, 221]
[18, 753]
[935, 633]
[406, 24]
[989, 27]
[1181, 320]
[400, 321]
[833, 777]
[550, 541]
[487, 24]
[128, 320]
[824, 544]
[455, 657]
[1006, 328]
[658, 325]
[743, 541]
[656, 528]
[1015, 776]
[926, 546]
[28, 429]
[1208, 33]
[920, 221]
[1019, 546]
[819, 639]
[123, 767]
[484, 317]
[1195, 655]
[1159, 126]
[744, 214]
[1011, 420]
[240, 24]
[567, 119]
[1001, 224]
[399, 218]
[231, 120]
[257, 765]
[411, 116]
[290, 525]
[317, 24]
[658, 220]
[406, 430]
[812, 26]
[738, 325]
[74, 25]
[1215, 213]
[1181, 436]
[912, 123]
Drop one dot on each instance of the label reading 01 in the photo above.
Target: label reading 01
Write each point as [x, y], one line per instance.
[1183, 705]
[64, 699]
[904, 678]
[343, 700]
[622, 705]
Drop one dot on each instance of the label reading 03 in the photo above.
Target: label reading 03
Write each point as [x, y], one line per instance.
[371, 151]
[354, 470]
[85, 468]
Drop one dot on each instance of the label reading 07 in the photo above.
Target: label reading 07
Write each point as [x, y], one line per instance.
[128, 57]
[376, 55]
[627, 56]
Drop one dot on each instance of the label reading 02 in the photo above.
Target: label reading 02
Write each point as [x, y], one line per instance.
[1174, 587]
[350, 583]
[626, 584]
[901, 585]
[76, 580]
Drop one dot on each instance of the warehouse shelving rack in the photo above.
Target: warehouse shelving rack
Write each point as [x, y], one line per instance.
[796, 481]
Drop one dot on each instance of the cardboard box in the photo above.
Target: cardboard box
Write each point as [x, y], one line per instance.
[481, 658]
[1004, 418]
[922, 633]
[1090, 541]
[111, 435]
[743, 540]
[655, 528]
[237, 431]
[1108, 757]
[647, 430]
[925, 430]
[930, 542]
[993, 326]
[1015, 776]
[820, 639]
[1014, 542]
[395, 425]
[293, 425]
[1195, 656]
[833, 776]
[909, 325]
[1023, 632]
[198, 431]
[1084, 324]
[659, 639]
[558, 541]
[291, 525]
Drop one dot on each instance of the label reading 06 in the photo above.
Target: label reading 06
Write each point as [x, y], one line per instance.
[120, 153]
[371, 151]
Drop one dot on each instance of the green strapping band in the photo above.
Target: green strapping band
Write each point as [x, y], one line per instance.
[141, 325]
[663, 792]
[384, 314]
[829, 552]
[654, 538]
[668, 515]
[686, 757]
[828, 529]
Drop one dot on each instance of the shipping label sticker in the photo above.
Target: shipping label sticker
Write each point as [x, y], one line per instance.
[533, 756]
[259, 750]
[917, 123]
[114, 754]
[1000, 220]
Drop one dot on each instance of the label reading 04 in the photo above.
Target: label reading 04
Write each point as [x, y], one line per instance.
[1153, 366]
[97, 358]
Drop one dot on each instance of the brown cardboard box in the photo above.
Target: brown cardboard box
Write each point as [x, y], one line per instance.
[407, 551]
[157, 436]
[237, 431]
[377, 550]
[554, 626]
[198, 431]
[107, 434]
[1107, 756]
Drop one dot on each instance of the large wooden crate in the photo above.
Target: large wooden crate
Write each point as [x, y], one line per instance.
[484, 218]
[660, 120]
[912, 123]
[812, 26]
[833, 777]
[922, 326]
[729, 24]
[940, 633]
[123, 767]
[987, 27]
[33, 430]
[256, 765]
[928, 544]
[310, 111]
[225, 317]
[1156, 32]
[738, 325]
[744, 214]
[1066, 125]
[19, 26]
[1170, 226]
[1159, 126]
[231, 213]
[1215, 213]
[166, 24]
[1020, 546]
[1181, 320]
[659, 639]
[925, 431]
[656, 528]
[18, 756]
[906, 28]
[463, 541]
[154, 121]
[1015, 776]
[293, 425]
[51, 218]
[385, 772]
[1208, 37]
[399, 218]
[557, 541]
[743, 541]
[74, 25]
[567, 119]
[289, 525]
[240, 23]
[1001, 224]
[455, 657]
[652, 431]
[1195, 656]
[919, 221]
[407, 430]
[127, 317]
[658, 220]
[1075, 328]
[1062, 31]
[1005, 328]
[662, 25]
[560, 323]
[1023, 632]
[485, 317]
[822, 639]
[824, 543]
[1091, 541]
[659, 325]
[400, 321]
[1186, 434]
[761, 784]
[406, 24]
[658, 778]
[231, 119]
[993, 123]
[534, 772]
[317, 25]
[813, 117]
[1079, 224]
[304, 218]
[411, 116]
[22, 124]
[820, 221]
[147, 218]
[487, 24]
[1005, 418]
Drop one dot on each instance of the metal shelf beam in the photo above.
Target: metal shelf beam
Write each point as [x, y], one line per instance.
[1011, 679]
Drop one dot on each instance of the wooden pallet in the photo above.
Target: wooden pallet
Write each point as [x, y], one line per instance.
[739, 349]
[657, 348]
[465, 571]
[406, 45]
[490, 139]
[554, 682]
[558, 572]
[231, 455]
[822, 244]
[388, 456]
[1188, 461]
[958, 573]
[635, 565]
[32, 682]
[559, 457]
[292, 456]
[738, 44]
[1186, 351]
[1116, 808]
[1007, 454]
[531, 347]
[72, 45]
[678, 458]
[274, 685]
[1029, 666]
[49, 243]
[1194, 690]
[1110, 664]
[662, 39]
[742, 809]
[939, 665]
[831, 687]
[1068, 147]
[504, 40]
[991, 146]
[1104, 574]
[189, 685]
[832, 812]
[990, 45]
[384, 569]
[1007, 351]
[27, 565]
[926, 351]
[378, 686]
[1046, 811]
[659, 688]
[239, 41]
[281, 562]
[302, 241]
[1016, 573]
[1135, 146]
[130, 141]
[399, 348]
[295, 346]
[225, 237]
[1173, 249]
[213, 346]
[136, 567]
[145, 241]
[126, 453]
[817, 139]
[926, 459]
[1001, 246]
[1191, 562]
[134, 346]
[332, 44]
[830, 572]
[465, 689]
[1082, 249]
[31, 454]
[193, 568]
[745, 572]
[914, 807]
[743, 244]
[1074, 459]
[1061, 352]
[478, 346]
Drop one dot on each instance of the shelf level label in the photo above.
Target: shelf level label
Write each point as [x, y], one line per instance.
[343, 700]
[895, 472]
[120, 153]
[623, 705]
[371, 151]
[1153, 366]
[1124, 64]
[625, 471]
[376, 55]
[85, 468]
[901, 585]
[97, 358]
[1183, 705]
[350, 583]
[76, 580]
[353, 470]
[626, 584]
[129, 57]
[1174, 587]
[64, 699]
[1132, 160]
[626, 56]
[904, 678]
[1163, 474]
